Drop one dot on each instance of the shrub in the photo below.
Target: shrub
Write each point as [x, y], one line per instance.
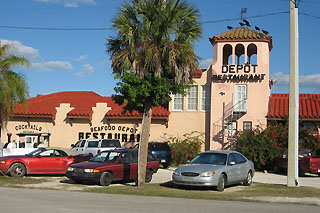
[185, 148]
[262, 146]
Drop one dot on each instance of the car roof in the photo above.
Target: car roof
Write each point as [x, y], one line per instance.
[221, 151]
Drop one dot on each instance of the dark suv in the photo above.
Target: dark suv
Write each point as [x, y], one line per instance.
[162, 151]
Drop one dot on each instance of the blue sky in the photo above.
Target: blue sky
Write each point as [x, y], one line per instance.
[76, 60]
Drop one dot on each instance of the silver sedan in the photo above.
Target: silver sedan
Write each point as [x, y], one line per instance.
[215, 168]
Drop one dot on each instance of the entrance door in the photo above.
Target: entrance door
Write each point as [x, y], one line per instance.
[30, 140]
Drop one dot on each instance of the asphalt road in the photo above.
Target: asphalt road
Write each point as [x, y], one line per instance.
[17, 200]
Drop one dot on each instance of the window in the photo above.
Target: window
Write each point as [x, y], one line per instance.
[93, 143]
[240, 104]
[110, 143]
[232, 158]
[240, 158]
[178, 102]
[247, 125]
[206, 98]
[192, 98]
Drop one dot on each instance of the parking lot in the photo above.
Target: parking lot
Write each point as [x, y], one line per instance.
[164, 175]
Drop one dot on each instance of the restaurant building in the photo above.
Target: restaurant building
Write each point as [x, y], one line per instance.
[232, 94]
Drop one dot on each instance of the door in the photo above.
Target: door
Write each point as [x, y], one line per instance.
[30, 141]
[79, 147]
[240, 104]
[233, 170]
[49, 161]
[124, 169]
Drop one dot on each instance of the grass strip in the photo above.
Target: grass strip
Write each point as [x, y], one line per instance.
[231, 193]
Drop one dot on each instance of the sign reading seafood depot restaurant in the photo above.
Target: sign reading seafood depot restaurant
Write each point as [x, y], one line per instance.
[124, 133]
[231, 73]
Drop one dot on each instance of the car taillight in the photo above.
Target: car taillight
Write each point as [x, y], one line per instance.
[171, 155]
[99, 150]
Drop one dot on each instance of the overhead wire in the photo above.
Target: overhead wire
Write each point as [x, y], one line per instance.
[109, 28]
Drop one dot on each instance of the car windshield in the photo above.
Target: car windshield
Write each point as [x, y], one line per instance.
[35, 152]
[210, 158]
[105, 157]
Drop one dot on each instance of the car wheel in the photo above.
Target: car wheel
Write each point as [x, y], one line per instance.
[248, 180]
[221, 183]
[106, 179]
[165, 165]
[149, 174]
[276, 169]
[18, 170]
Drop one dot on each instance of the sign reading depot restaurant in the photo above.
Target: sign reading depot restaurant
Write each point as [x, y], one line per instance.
[121, 132]
[239, 73]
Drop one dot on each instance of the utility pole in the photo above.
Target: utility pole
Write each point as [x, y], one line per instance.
[293, 141]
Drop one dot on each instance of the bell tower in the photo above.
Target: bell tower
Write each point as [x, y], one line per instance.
[240, 84]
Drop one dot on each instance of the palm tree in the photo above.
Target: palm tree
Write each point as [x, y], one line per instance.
[154, 38]
[13, 87]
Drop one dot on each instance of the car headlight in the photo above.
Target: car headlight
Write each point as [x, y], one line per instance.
[176, 172]
[91, 170]
[2, 162]
[207, 174]
[70, 169]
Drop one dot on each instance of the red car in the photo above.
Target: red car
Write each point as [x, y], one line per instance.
[112, 165]
[41, 161]
[306, 162]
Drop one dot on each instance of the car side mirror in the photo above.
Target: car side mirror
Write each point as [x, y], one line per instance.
[72, 145]
[232, 163]
[188, 161]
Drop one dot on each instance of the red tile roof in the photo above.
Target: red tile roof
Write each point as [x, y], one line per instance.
[242, 34]
[198, 73]
[309, 107]
[81, 101]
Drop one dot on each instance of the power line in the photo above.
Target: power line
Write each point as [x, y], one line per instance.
[53, 28]
[248, 17]
[109, 28]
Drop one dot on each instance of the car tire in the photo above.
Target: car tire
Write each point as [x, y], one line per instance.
[221, 183]
[165, 165]
[18, 170]
[276, 169]
[149, 174]
[248, 180]
[106, 179]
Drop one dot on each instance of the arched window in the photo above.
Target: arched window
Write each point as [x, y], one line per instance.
[252, 54]
[227, 54]
[240, 59]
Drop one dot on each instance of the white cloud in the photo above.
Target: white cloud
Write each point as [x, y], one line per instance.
[86, 69]
[52, 65]
[17, 48]
[69, 3]
[82, 58]
[305, 81]
[204, 64]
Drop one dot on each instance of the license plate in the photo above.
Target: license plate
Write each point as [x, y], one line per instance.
[163, 161]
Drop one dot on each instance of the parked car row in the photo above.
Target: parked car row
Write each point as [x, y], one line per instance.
[211, 168]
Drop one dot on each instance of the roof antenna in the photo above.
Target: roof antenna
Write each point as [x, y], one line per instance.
[243, 11]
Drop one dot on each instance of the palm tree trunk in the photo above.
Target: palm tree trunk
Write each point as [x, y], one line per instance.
[143, 146]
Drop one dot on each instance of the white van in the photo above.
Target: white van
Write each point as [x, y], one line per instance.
[94, 146]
